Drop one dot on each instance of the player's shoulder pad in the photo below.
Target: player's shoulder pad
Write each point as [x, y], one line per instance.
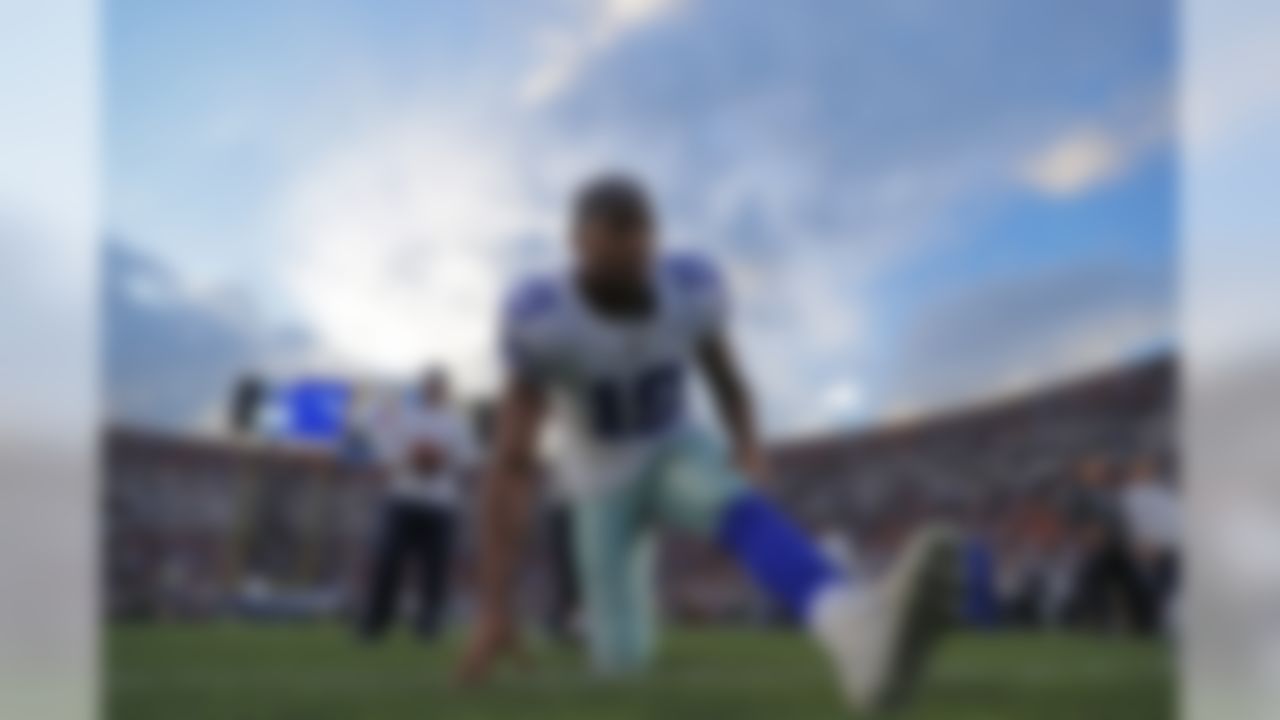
[692, 272]
[532, 299]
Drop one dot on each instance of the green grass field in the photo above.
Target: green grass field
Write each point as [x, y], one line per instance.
[316, 673]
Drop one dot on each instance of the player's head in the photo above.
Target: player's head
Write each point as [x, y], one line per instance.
[613, 228]
[433, 385]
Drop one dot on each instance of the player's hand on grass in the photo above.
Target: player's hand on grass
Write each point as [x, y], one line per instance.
[493, 640]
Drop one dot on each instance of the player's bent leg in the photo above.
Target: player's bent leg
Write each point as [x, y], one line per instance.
[777, 554]
[700, 491]
[615, 557]
[876, 634]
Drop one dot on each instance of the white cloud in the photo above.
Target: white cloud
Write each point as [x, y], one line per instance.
[800, 334]
[802, 164]
[396, 247]
[567, 51]
[1086, 156]
[842, 398]
[1075, 162]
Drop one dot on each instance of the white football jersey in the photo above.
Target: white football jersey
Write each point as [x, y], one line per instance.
[619, 385]
[396, 423]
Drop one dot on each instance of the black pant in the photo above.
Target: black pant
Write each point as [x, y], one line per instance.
[1109, 575]
[416, 534]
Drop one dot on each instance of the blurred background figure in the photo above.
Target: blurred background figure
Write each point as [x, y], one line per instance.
[1111, 592]
[247, 398]
[1153, 515]
[426, 448]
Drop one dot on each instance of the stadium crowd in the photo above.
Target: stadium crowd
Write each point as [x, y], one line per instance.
[1068, 500]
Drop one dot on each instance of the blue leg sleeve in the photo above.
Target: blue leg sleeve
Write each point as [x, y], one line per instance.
[777, 554]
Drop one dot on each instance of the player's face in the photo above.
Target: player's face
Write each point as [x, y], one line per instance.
[614, 252]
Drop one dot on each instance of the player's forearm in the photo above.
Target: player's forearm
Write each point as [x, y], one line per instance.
[507, 494]
[732, 398]
[505, 517]
[737, 412]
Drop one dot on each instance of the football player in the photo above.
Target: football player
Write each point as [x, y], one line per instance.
[613, 343]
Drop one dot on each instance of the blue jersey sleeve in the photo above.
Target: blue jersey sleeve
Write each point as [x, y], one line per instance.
[526, 321]
[701, 287]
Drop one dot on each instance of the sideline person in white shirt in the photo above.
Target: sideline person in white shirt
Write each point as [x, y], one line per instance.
[425, 448]
[1153, 518]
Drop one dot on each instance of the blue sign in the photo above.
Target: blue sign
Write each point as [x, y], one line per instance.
[315, 409]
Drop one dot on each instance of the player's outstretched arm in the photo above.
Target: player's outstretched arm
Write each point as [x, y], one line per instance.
[733, 403]
[506, 497]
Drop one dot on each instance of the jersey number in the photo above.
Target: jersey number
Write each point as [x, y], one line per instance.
[637, 406]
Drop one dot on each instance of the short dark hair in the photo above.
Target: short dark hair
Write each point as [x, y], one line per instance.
[615, 197]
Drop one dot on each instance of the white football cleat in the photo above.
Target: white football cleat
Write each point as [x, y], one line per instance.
[879, 635]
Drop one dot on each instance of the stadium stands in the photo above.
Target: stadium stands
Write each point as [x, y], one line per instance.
[200, 528]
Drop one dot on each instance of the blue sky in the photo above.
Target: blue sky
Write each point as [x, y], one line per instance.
[919, 203]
